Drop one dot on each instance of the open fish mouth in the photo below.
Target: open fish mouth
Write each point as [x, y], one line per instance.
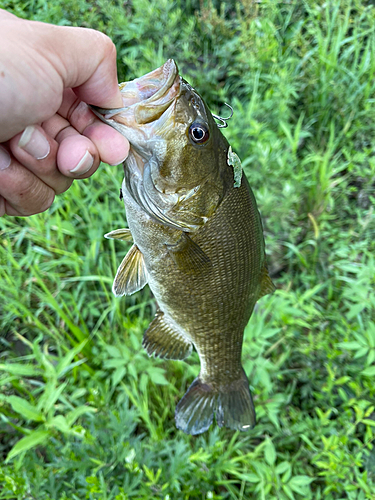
[145, 98]
[147, 117]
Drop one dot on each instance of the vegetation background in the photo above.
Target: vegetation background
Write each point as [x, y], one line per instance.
[84, 413]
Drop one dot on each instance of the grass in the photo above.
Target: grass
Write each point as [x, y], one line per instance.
[84, 413]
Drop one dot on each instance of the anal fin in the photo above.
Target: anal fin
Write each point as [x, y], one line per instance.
[131, 275]
[164, 341]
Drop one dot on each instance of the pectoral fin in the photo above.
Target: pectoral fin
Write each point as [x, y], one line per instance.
[120, 234]
[164, 340]
[188, 256]
[131, 276]
[266, 285]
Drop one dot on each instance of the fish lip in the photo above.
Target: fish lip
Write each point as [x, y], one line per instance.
[153, 91]
[165, 75]
[155, 101]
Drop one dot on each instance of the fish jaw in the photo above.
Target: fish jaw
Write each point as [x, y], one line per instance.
[148, 107]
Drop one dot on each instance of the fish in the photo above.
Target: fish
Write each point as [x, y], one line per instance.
[197, 241]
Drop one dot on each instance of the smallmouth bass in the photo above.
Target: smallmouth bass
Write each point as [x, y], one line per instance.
[198, 242]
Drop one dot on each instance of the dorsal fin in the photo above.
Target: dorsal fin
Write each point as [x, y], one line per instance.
[131, 275]
[120, 234]
[266, 285]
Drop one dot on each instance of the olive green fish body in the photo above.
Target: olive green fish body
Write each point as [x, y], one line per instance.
[198, 243]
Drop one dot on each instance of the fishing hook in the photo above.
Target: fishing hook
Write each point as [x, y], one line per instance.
[224, 120]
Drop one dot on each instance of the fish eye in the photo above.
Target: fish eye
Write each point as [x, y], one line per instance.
[199, 133]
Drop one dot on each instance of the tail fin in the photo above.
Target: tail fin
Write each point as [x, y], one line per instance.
[232, 404]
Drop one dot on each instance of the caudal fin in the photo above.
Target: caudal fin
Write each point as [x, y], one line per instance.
[232, 405]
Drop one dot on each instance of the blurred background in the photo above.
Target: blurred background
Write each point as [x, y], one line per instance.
[84, 413]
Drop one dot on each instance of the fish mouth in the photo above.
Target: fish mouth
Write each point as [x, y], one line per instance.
[150, 88]
[146, 98]
[147, 117]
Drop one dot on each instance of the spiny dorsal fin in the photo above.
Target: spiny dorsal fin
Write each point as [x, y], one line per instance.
[131, 275]
[164, 341]
[188, 256]
[120, 234]
[266, 285]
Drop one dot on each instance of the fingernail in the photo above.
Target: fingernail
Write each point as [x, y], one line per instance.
[83, 165]
[33, 142]
[118, 162]
[5, 159]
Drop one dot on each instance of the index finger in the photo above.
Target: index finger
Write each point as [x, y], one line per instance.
[113, 147]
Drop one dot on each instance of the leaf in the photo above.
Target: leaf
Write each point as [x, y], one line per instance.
[114, 363]
[298, 482]
[301, 480]
[350, 346]
[50, 395]
[355, 310]
[34, 439]
[72, 416]
[252, 478]
[132, 370]
[369, 372]
[157, 376]
[118, 375]
[270, 452]
[361, 352]
[371, 357]
[63, 365]
[286, 475]
[288, 492]
[60, 423]
[113, 351]
[18, 369]
[371, 334]
[311, 292]
[24, 408]
[282, 467]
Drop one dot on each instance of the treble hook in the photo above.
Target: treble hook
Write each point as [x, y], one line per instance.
[224, 120]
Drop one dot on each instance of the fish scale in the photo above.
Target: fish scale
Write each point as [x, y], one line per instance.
[232, 315]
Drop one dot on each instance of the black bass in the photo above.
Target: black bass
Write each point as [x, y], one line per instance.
[198, 242]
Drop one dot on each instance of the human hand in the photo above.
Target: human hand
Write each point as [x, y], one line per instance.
[48, 135]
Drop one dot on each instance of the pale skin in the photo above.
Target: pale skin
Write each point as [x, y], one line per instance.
[48, 135]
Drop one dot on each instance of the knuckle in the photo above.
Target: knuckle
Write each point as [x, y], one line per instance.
[34, 197]
[48, 201]
[79, 115]
[107, 43]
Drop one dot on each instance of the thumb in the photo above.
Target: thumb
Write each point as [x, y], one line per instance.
[87, 61]
[38, 61]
